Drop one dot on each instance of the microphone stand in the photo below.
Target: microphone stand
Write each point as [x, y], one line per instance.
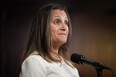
[99, 71]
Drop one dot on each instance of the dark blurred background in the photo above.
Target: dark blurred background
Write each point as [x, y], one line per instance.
[94, 34]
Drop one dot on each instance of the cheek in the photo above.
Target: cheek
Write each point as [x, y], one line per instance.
[67, 30]
[54, 31]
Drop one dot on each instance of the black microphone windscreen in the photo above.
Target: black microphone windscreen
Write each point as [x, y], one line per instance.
[76, 58]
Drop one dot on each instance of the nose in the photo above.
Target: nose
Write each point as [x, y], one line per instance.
[63, 27]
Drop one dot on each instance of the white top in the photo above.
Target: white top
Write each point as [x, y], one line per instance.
[36, 66]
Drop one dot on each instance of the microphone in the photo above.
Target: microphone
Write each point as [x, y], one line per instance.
[80, 59]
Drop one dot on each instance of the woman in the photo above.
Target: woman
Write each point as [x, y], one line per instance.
[46, 52]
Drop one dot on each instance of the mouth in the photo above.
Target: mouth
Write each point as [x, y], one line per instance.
[62, 34]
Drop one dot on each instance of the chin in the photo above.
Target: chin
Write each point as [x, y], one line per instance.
[63, 41]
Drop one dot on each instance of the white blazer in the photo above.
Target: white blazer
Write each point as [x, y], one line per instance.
[36, 66]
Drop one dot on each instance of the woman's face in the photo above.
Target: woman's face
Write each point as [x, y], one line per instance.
[59, 27]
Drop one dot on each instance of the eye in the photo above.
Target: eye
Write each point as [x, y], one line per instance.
[66, 22]
[57, 21]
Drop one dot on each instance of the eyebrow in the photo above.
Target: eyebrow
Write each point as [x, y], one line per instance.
[59, 17]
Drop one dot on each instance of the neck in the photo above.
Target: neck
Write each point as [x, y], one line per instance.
[55, 50]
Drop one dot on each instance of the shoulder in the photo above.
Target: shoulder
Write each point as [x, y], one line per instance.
[33, 66]
[34, 59]
[33, 62]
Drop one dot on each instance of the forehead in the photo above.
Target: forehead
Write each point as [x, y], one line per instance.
[57, 12]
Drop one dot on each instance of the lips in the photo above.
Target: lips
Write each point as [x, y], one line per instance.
[62, 34]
